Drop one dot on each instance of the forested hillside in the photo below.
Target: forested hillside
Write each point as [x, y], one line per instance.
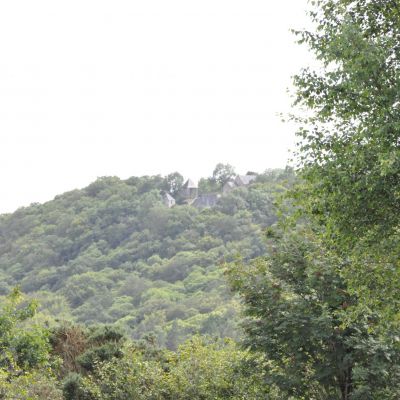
[114, 253]
[145, 268]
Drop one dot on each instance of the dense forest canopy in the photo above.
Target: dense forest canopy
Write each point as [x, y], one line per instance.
[113, 252]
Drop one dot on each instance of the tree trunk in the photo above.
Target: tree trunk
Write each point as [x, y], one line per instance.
[346, 385]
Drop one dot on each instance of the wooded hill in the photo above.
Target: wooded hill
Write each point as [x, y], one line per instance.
[114, 253]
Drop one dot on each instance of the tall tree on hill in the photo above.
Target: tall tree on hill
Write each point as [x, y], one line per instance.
[223, 173]
[173, 183]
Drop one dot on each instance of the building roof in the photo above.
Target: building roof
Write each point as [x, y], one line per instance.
[246, 179]
[168, 197]
[189, 184]
[230, 184]
[206, 200]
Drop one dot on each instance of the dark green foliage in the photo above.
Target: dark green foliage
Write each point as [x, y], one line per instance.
[81, 349]
[223, 173]
[173, 183]
[103, 344]
[208, 185]
[296, 303]
[74, 388]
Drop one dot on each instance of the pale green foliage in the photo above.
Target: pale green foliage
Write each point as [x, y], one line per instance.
[21, 345]
[36, 385]
[25, 372]
[212, 371]
[197, 370]
[349, 141]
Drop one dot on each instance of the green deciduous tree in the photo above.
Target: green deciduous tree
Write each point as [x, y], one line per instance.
[173, 183]
[25, 364]
[295, 301]
[350, 140]
[20, 346]
[223, 173]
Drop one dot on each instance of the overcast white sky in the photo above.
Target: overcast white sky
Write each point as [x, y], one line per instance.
[91, 88]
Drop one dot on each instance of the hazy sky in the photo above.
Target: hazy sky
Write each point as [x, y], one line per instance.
[91, 88]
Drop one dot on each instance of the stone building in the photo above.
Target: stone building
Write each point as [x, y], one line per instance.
[244, 180]
[229, 186]
[189, 190]
[206, 200]
[168, 200]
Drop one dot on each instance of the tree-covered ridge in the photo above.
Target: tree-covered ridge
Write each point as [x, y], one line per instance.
[114, 253]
